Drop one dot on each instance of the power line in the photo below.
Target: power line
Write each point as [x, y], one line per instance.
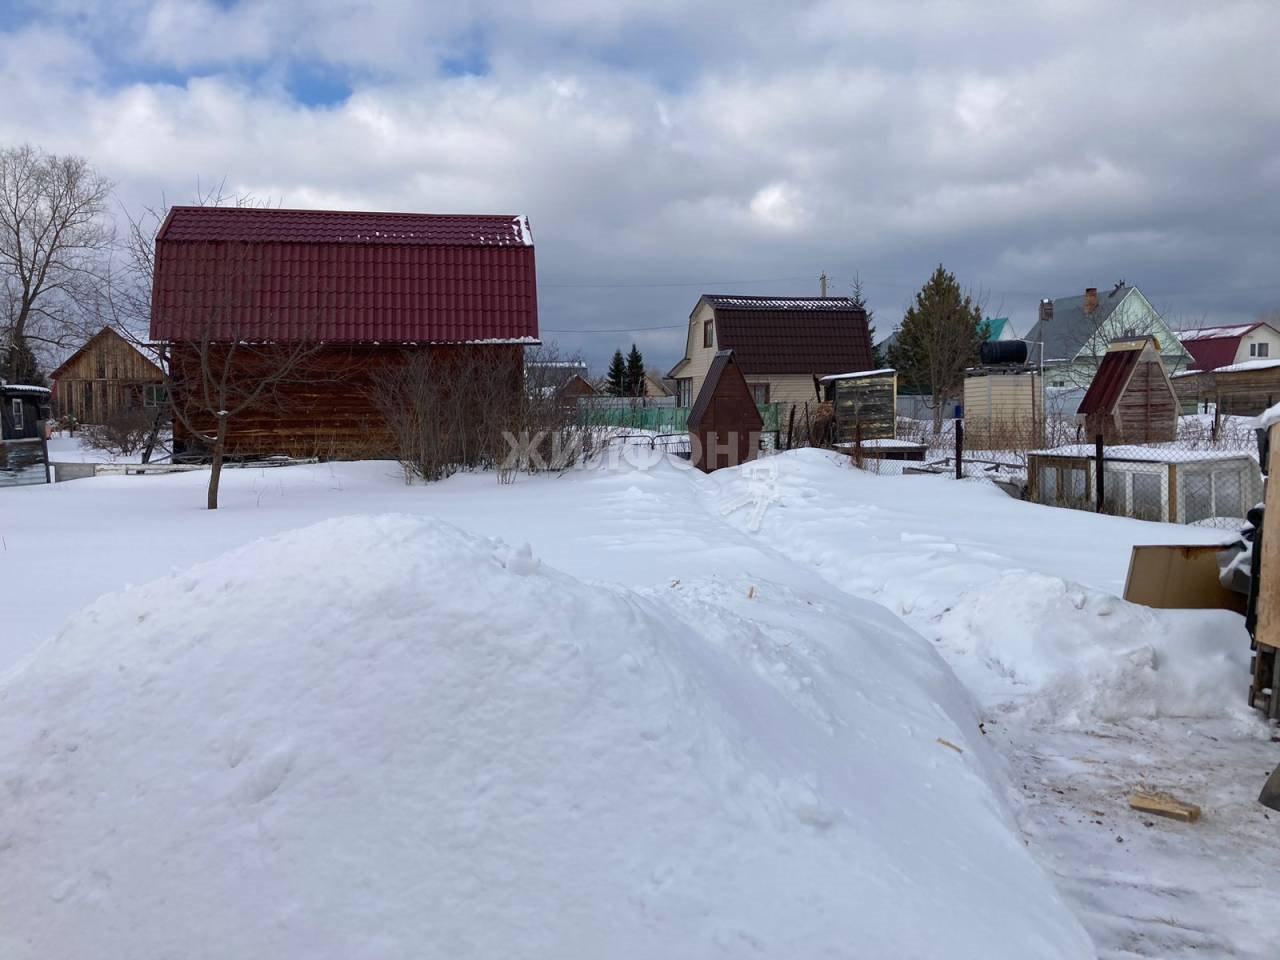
[673, 283]
[669, 326]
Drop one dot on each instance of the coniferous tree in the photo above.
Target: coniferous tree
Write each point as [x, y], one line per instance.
[939, 338]
[635, 373]
[877, 353]
[617, 376]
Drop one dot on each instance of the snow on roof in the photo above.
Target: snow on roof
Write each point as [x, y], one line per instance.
[1151, 453]
[858, 373]
[1225, 331]
[1245, 366]
[780, 303]
[22, 388]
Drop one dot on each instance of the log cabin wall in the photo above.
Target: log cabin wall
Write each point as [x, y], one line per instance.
[326, 409]
[108, 374]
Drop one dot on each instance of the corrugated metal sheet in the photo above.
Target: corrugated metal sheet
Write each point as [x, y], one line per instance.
[270, 225]
[286, 275]
[1109, 382]
[1209, 353]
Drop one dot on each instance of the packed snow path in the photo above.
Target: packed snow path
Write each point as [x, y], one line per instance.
[1084, 696]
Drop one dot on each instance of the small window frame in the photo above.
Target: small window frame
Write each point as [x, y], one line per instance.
[16, 411]
[708, 334]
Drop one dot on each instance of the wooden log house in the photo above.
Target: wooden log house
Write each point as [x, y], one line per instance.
[106, 376]
[356, 292]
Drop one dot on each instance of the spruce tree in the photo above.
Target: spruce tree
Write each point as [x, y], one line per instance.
[877, 354]
[939, 338]
[635, 373]
[617, 376]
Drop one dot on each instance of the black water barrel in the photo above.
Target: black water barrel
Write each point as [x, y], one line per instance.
[998, 352]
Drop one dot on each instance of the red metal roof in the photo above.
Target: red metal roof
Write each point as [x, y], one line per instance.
[1109, 382]
[1210, 353]
[264, 274]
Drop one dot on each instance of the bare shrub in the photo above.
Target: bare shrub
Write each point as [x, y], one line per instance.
[124, 432]
[450, 409]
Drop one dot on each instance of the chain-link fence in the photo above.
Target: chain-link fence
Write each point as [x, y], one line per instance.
[1208, 475]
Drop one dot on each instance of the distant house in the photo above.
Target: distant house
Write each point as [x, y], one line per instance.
[1222, 346]
[1131, 400]
[21, 408]
[1074, 339]
[654, 386]
[779, 344]
[107, 375]
[367, 291]
[998, 328]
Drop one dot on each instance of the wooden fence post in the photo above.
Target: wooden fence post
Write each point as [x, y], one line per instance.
[959, 449]
[1098, 471]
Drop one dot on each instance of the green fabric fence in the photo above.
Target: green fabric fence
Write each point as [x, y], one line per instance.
[662, 419]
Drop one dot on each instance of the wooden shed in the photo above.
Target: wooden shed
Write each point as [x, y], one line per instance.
[1131, 398]
[1239, 389]
[1003, 407]
[21, 408]
[106, 376]
[724, 422]
[865, 404]
[24, 457]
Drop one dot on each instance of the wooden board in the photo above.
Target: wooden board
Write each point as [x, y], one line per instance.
[1163, 805]
[1269, 588]
[1179, 577]
[866, 407]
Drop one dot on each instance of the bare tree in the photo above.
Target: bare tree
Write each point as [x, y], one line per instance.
[220, 378]
[55, 240]
[215, 376]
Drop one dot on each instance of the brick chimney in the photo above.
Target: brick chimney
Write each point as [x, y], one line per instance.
[1090, 300]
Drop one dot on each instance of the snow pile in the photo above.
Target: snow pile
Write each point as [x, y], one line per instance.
[1089, 655]
[381, 737]
[966, 577]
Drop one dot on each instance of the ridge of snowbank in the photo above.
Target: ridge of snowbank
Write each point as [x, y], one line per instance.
[383, 737]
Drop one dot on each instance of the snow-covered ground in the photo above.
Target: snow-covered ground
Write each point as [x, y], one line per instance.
[700, 716]
[68, 448]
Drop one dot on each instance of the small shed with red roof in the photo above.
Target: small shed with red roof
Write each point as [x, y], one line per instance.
[724, 421]
[1131, 399]
[367, 290]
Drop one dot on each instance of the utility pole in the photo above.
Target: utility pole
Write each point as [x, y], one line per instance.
[823, 281]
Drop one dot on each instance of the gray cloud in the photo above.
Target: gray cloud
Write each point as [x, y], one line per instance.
[1034, 148]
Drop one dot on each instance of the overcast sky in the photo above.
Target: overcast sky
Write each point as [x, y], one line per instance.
[663, 149]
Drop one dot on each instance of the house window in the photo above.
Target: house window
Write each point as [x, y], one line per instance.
[154, 395]
[760, 393]
[684, 387]
[17, 414]
[1259, 349]
[708, 335]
